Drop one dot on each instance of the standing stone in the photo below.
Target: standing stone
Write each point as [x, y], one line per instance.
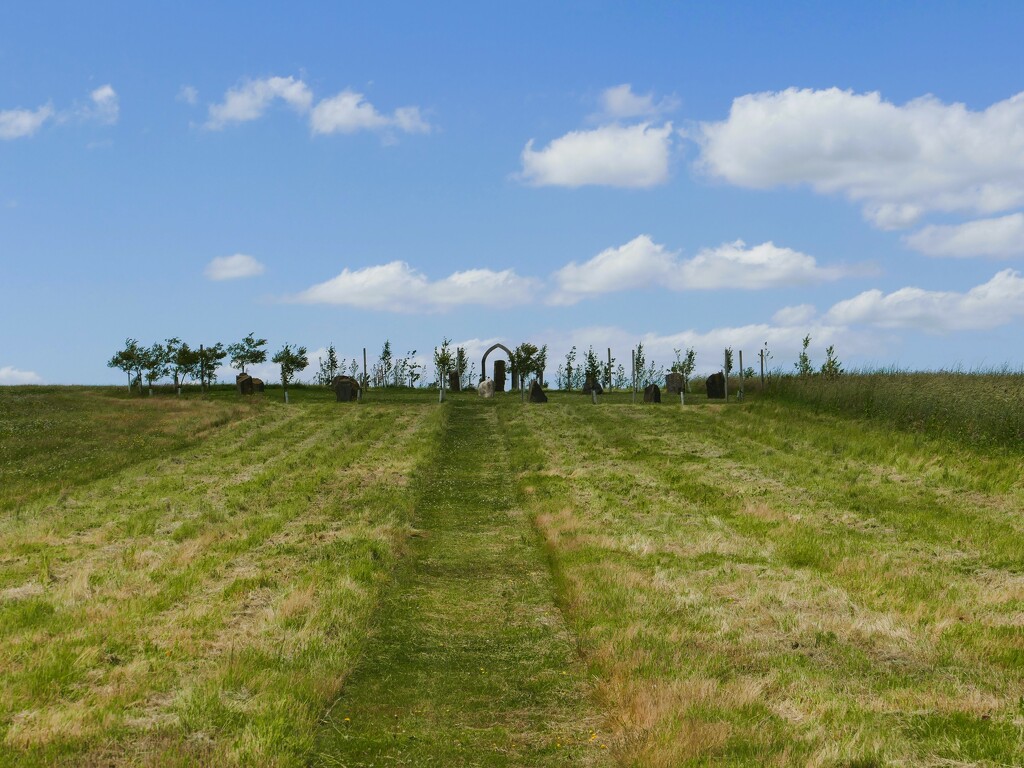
[674, 383]
[716, 386]
[486, 388]
[346, 389]
[592, 385]
[454, 385]
[499, 375]
[537, 393]
[258, 385]
[244, 383]
[652, 394]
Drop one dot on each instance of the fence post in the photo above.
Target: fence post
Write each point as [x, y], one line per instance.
[725, 370]
[741, 375]
[632, 373]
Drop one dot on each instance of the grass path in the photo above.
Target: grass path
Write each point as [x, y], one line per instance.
[471, 664]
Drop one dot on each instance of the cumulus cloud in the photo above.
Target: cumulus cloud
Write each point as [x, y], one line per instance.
[995, 303]
[620, 103]
[397, 287]
[9, 375]
[642, 263]
[233, 267]
[899, 162]
[349, 111]
[104, 106]
[22, 123]
[612, 155]
[252, 98]
[997, 238]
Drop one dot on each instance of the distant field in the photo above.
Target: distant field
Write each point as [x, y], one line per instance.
[211, 581]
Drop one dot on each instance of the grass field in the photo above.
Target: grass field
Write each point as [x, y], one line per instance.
[208, 581]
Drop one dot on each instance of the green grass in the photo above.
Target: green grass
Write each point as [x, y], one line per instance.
[227, 581]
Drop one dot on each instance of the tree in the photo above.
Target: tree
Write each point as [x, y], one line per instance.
[832, 368]
[569, 378]
[249, 351]
[608, 372]
[209, 362]
[728, 361]
[803, 363]
[462, 367]
[382, 371]
[528, 359]
[128, 360]
[591, 366]
[292, 360]
[443, 362]
[184, 362]
[639, 369]
[620, 381]
[685, 365]
[155, 364]
[328, 367]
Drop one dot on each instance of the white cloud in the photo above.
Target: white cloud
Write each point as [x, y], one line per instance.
[397, 287]
[898, 161]
[105, 107]
[801, 314]
[188, 94]
[995, 303]
[999, 238]
[620, 102]
[642, 263]
[21, 123]
[349, 111]
[11, 376]
[233, 267]
[252, 98]
[612, 155]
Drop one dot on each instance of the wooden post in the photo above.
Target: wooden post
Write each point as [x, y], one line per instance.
[761, 355]
[609, 382]
[741, 375]
[725, 370]
[202, 370]
[366, 378]
[593, 396]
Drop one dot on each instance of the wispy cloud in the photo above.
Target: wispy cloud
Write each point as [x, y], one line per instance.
[22, 123]
[251, 99]
[11, 376]
[997, 238]
[620, 102]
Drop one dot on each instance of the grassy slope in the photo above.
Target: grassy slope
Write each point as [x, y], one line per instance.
[204, 607]
[760, 585]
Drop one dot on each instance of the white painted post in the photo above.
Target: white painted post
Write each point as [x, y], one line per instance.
[593, 396]
[286, 397]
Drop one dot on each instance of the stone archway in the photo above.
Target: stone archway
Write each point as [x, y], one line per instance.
[483, 363]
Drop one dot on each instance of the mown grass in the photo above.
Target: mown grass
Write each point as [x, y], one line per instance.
[204, 606]
[975, 408]
[758, 584]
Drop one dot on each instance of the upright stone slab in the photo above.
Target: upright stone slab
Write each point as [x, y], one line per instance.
[454, 385]
[652, 393]
[486, 388]
[716, 386]
[674, 383]
[258, 385]
[537, 393]
[346, 389]
[592, 385]
[499, 375]
[244, 383]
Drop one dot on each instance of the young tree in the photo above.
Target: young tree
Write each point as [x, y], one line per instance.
[128, 360]
[328, 367]
[443, 362]
[591, 366]
[803, 365]
[155, 364]
[249, 351]
[685, 365]
[184, 362]
[639, 367]
[608, 372]
[528, 359]
[727, 367]
[462, 366]
[569, 376]
[832, 368]
[620, 381]
[292, 360]
[209, 361]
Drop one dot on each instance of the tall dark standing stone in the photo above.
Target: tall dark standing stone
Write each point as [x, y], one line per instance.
[258, 385]
[244, 383]
[499, 375]
[345, 388]
[674, 383]
[592, 385]
[716, 386]
[652, 393]
[454, 385]
[537, 393]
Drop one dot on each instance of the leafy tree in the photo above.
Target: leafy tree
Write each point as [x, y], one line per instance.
[832, 368]
[685, 364]
[462, 366]
[803, 365]
[608, 372]
[728, 361]
[209, 361]
[328, 367]
[353, 369]
[528, 359]
[443, 362]
[249, 351]
[591, 366]
[639, 367]
[128, 360]
[385, 365]
[184, 362]
[292, 360]
[620, 381]
[155, 364]
[568, 378]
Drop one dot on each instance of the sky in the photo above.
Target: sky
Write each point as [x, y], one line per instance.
[673, 174]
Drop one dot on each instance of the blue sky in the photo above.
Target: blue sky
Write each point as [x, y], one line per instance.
[581, 174]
